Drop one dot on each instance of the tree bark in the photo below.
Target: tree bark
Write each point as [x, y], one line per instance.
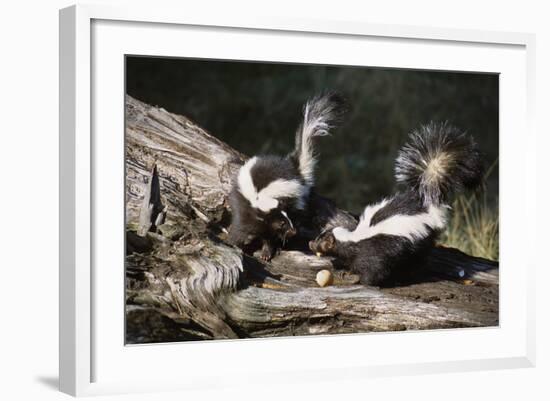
[185, 283]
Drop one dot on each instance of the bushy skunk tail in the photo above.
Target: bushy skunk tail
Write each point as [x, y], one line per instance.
[438, 161]
[320, 114]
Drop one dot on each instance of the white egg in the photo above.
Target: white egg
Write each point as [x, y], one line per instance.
[324, 278]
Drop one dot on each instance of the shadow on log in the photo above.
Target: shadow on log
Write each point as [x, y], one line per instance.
[185, 283]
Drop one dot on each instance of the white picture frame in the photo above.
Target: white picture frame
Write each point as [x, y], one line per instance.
[92, 359]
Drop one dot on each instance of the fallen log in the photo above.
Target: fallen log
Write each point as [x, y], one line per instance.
[185, 283]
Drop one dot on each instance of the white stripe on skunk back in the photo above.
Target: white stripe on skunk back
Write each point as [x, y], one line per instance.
[244, 180]
[412, 227]
[268, 198]
[280, 189]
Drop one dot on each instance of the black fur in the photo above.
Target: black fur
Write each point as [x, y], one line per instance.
[405, 203]
[379, 260]
[382, 258]
[269, 168]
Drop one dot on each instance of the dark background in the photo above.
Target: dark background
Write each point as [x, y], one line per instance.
[256, 108]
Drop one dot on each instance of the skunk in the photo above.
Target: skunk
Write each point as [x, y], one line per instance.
[271, 192]
[395, 234]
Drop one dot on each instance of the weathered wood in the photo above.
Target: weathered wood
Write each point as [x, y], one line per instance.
[185, 283]
[194, 168]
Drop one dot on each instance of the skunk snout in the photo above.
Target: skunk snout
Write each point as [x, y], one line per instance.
[312, 245]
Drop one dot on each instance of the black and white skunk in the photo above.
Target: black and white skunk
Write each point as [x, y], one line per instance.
[270, 192]
[395, 234]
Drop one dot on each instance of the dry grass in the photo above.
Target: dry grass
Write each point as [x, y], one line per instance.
[474, 224]
[473, 228]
